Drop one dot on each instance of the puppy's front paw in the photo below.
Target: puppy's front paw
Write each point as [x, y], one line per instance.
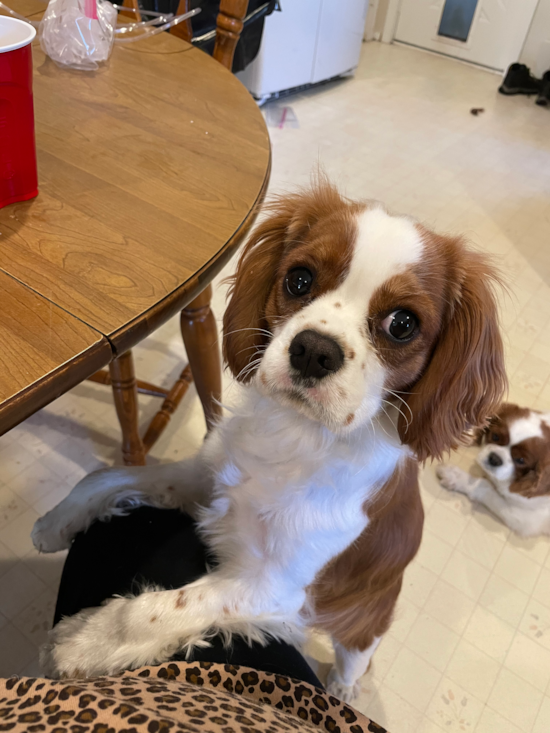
[51, 532]
[68, 651]
[93, 642]
[346, 693]
[106, 640]
[453, 479]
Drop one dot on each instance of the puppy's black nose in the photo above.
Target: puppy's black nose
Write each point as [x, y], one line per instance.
[494, 460]
[315, 355]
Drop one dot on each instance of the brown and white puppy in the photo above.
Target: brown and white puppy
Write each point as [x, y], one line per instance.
[515, 456]
[366, 343]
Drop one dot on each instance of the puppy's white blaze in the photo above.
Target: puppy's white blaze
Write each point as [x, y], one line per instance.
[503, 473]
[524, 428]
[385, 246]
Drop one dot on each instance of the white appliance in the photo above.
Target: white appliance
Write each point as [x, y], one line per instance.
[307, 42]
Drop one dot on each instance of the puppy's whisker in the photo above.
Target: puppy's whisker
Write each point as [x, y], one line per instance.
[248, 367]
[259, 349]
[383, 428]
[405, 418]
[250, 328]
[394, 394]
[260, 331]
[252, 367]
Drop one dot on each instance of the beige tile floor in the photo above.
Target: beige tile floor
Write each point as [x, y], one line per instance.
[470, 646]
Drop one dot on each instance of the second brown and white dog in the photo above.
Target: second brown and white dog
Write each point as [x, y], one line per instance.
[366, 343]
[515, 456]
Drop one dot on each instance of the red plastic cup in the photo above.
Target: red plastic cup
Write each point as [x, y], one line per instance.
[18, 178]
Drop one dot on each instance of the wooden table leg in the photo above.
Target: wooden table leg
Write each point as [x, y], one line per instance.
[126, 403]
[200, 335]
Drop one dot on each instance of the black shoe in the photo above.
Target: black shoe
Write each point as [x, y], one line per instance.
[543, 100]
[518, 80]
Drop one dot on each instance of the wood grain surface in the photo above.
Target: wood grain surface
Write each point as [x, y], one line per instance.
[147, 169]
[151, 170]
[27, 8]
[44, 352]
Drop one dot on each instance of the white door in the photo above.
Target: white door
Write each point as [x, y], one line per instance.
[486, 32]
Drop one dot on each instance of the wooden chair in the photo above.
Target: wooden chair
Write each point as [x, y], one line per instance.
[229, 25]
[198, 325]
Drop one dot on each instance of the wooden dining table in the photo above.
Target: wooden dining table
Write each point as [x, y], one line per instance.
[151, 171]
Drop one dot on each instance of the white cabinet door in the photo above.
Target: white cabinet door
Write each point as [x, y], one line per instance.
[339, 38]
[487, 32]
[287, 52]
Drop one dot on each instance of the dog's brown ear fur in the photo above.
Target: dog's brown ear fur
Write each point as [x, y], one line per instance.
[288, 218]
[464, 381]
[534, 483]
[505, 412]
[479, 434]
[543, 478]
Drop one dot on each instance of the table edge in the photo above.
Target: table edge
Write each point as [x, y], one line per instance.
[43, 391]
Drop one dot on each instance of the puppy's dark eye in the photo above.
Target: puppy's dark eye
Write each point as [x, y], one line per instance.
[519, 461]
[298, 281]
[400, 325]
[494, 438]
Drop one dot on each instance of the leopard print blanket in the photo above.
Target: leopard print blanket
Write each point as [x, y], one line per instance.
[176, 696]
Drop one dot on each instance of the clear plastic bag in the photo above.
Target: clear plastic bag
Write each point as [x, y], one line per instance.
[280, 116]
[127, 34]
[78, 34]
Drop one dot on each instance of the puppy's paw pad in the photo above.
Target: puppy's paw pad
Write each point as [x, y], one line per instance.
[450, 477]
[346, 693]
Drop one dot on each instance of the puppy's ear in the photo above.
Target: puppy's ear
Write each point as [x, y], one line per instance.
[543, 479]
[481, 432]
[534, 483]
[478, 435]
[288, 220]
[499, 420]
[464, 381]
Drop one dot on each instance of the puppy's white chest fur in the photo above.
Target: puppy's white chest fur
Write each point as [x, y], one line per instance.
[289, 495]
